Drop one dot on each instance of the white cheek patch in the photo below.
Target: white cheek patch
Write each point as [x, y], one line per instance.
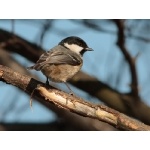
[75, 48]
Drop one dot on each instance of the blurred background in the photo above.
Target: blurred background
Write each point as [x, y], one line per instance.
[119, 64]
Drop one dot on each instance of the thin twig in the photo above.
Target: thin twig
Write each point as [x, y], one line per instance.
[128, 57]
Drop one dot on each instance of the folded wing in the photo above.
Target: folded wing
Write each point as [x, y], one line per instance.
[57, 55]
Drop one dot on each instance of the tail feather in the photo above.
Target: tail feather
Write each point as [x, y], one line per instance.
[37, 67]
[30, 68]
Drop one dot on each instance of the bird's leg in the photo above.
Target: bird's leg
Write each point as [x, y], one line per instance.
[47, 82]
[71, 92]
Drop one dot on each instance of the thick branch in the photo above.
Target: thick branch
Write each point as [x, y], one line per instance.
[73, 121]
[72, 103]
[16, 44]
[121, 102]
[130, 60]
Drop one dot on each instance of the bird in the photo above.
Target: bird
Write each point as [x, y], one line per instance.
[63, 61]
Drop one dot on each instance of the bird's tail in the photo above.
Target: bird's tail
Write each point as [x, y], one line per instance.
[36, 67]
[30, 68]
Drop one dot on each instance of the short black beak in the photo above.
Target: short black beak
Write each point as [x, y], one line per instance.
[89, 49]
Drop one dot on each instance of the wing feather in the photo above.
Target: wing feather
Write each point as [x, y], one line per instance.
[57, 56]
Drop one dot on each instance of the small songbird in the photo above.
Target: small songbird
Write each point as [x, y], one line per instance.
[63, 61]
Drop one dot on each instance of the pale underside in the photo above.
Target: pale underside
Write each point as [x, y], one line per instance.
[60, 73]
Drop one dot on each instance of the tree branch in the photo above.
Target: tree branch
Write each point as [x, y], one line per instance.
[122, 102]
[74, 121]
[71, 103]
[130, 60]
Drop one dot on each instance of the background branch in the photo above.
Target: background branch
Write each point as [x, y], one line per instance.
[130, 60]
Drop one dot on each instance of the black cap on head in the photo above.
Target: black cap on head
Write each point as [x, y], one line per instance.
[74, 40]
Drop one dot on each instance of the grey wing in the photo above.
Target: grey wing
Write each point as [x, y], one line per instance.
[57, 56]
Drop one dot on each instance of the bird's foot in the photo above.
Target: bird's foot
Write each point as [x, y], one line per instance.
[71, 93]
[47, 82]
